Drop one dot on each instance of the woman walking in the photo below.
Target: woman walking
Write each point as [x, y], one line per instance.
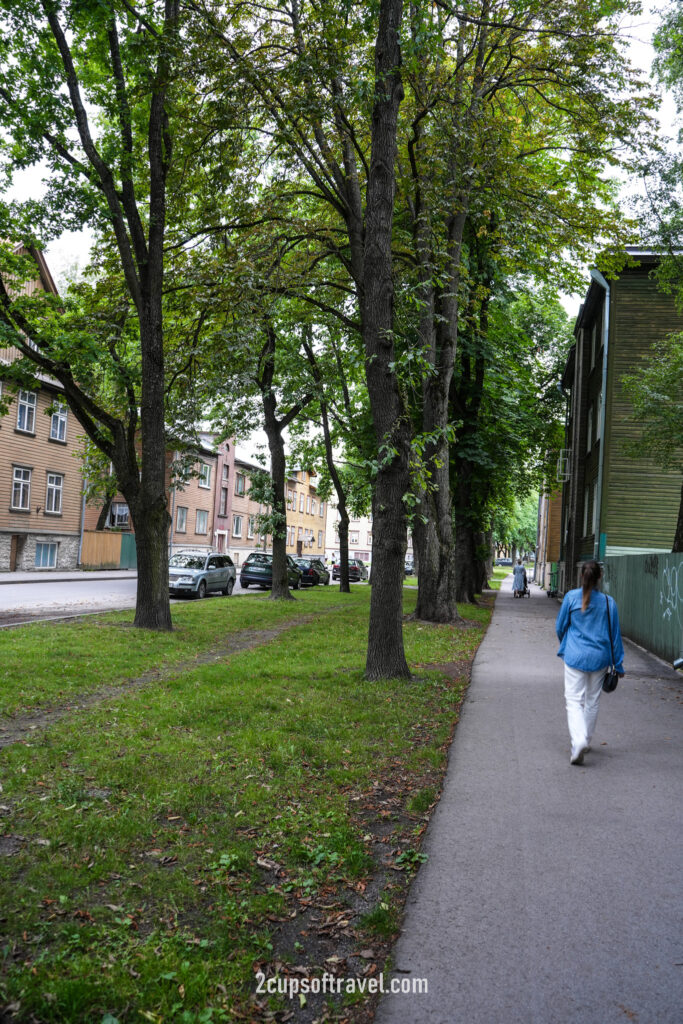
[584, 624]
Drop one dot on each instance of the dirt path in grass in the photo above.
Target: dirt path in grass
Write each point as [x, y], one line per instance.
[20, 727]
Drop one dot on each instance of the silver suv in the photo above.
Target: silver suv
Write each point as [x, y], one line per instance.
[199, 572]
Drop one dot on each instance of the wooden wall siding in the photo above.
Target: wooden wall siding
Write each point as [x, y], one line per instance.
[640, 501]
[42, 456]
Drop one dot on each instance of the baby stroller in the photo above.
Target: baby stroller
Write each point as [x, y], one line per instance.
[520, 586]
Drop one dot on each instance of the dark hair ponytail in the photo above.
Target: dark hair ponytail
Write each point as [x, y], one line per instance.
[590, 577]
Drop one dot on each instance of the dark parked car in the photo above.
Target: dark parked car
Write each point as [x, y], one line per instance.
[312, 572]
[409, 567]
[257, 570]
[358, 570]
[200, 572]
[503, 561]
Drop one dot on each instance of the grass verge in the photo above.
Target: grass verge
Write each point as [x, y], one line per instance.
[259, 812]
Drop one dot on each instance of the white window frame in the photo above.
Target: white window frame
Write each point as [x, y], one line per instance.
[354, 537]
[369, 540]
[54, 490]
[205, 476]
[201, 512]
[240, 484]
[312, 506]
[320, 538]
[251, 527]
[51, 562]
[322, 509]
[58, 423]
[308, 504]
[21, 484]
[118, 518]
[181, 519]
[301, 501]
[289, 499]
[237, 522]
[26, 409]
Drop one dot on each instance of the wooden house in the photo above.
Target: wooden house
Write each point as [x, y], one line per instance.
[613, 504]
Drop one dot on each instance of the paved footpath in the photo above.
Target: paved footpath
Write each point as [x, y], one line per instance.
[552, 893]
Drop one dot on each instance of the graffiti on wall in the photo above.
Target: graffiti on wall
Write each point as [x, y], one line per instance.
[671, 593]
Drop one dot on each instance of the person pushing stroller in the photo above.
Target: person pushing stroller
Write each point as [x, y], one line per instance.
[519, 580]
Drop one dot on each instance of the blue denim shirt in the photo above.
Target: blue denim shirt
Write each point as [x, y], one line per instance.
[584, 636]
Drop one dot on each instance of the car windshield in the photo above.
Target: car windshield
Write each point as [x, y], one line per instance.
[305, 562]
[259, 559]
[186, 562]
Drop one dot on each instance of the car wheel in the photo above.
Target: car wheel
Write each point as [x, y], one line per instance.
[201, 589]
[229, 587]
[297, 584]
[244, 584]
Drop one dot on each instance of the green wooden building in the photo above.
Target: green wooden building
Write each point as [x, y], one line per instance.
[613, 505]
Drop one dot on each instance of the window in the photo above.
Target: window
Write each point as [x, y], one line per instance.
[308, 504]
[181, 519]
[53, 494]
[289, 499]
[301, 502]
[21, 488]
[300, 533]
[26, 412]
[594, 335]
[312, 506]
[202, 521]
[239, 483]
[250, 527]
[322, 509]
[353, 536]
[586, 502]
[119, 514]
[589, 430]
[58, 423]
[369, 541]
[205, 475]
[237, 526]
[223, 507]
[46, 556]
[226, 472]
[594, 524]
[598, 418]
[320, 538]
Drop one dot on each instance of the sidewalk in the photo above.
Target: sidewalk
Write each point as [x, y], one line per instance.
[60, 576]
[552, 894]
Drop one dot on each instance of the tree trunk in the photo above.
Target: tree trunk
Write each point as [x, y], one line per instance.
[465, 534]
[104, 514]
[152, 607]
[280, 588]
[385, 656]
[678, 539]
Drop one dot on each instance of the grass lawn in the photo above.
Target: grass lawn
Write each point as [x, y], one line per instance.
[499, 574]
[235, 812]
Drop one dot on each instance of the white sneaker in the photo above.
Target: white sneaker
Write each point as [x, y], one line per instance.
[578, 757]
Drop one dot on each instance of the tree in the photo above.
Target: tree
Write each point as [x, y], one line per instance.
[65, 65]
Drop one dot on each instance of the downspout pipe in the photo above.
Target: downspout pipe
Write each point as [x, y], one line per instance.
[599, 279]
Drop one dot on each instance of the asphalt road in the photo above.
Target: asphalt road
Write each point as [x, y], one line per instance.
[27, 601]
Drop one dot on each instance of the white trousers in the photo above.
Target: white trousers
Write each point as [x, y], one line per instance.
[582, 696]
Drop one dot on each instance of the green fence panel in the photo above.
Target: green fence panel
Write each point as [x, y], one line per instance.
[129, 559]
[648, 590]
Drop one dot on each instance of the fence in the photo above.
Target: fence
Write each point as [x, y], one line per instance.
[108, 551]
[648, 590]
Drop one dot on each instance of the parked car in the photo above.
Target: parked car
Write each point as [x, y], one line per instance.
[312, 572]
[409, 567]
[201, 572]
[358, 570]
[257, 570]
[503, 561]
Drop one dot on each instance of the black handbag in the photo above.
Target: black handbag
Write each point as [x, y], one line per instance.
[611, 678]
